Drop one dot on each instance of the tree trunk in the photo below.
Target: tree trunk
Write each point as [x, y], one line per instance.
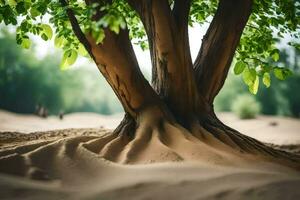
[172, 120]
[172, 69]
[176, 113]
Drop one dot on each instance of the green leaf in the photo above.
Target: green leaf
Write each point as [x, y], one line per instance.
[12, 2]
[239, 67]
[81, 50]
[20, 8]
[26, 43]
[253, 88]
[44, 36]
[47, 30]
[68, 59]
[281, 73]
[278, 73]
[59, 42]
[275, 55]
[98, 36]
[34, 12]
[115, 27]
[42, 7]
[267, 79]
[249, 76]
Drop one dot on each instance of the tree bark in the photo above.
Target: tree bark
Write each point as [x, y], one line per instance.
[218, 46]
[172, 73]
[123, 74]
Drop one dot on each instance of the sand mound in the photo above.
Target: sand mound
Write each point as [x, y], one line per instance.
[68, 164]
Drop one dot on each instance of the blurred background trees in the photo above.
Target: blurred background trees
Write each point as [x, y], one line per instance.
[281, 98]
[27, 81]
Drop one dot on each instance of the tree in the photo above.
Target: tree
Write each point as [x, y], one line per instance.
[22, 78]
[177, 109]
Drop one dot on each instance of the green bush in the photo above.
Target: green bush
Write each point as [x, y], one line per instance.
[246, 107]
[233, 87]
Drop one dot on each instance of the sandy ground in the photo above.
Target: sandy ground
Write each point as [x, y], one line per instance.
[77, 172]
[285, 131]
[31, 123]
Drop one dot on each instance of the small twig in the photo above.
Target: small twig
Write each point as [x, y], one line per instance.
[76, 28]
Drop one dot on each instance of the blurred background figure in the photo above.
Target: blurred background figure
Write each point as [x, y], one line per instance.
[61, 115]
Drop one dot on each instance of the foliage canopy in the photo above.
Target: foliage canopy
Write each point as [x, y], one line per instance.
[255, 58]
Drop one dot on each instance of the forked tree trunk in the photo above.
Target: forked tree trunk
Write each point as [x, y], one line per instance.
[178, 109]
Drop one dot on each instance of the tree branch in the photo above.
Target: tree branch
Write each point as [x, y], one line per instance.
[123, 74]
[219, 44]
[181, 12]
[76, 28]
[172, 73]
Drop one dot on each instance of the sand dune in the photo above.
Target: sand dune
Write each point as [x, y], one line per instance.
[66, 164]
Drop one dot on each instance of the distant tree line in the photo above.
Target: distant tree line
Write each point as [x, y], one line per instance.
[27, 83]
[282, 98]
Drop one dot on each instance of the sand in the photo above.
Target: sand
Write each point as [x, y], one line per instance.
[63, 164]
[286, 130]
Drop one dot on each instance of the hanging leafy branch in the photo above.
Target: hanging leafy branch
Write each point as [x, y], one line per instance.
[256, 58]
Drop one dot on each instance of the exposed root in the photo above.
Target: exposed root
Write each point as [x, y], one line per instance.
[249, 145]
[153, 139]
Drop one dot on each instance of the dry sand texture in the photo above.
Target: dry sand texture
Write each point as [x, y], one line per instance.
[69, 164]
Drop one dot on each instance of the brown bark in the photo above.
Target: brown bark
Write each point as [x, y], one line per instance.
[219, 44]
[123, 74]
[172, 73]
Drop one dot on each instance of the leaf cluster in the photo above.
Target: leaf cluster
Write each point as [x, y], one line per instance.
[256, 57]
